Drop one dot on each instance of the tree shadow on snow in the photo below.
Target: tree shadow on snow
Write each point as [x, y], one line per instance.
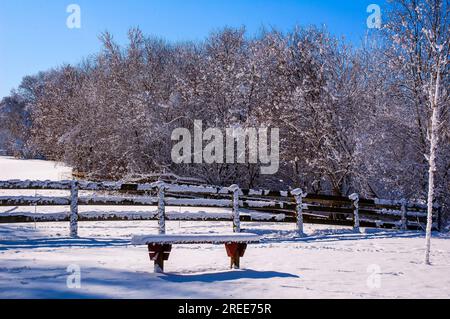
[365, 234]
[332, 235]
[226, 276]
[23, 279]
[61, 242]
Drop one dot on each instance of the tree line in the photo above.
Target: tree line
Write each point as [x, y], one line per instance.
[372, 118]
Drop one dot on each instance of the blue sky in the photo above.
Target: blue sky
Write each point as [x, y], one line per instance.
[34, 35]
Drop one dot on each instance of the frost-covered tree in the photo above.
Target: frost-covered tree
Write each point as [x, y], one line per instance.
[351, 119]
[419, 30]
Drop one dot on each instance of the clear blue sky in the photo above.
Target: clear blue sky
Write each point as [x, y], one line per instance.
[34, 35]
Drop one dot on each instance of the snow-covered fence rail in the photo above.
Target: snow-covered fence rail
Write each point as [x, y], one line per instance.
[262, 205]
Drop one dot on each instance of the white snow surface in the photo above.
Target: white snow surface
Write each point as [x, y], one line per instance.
[11, 168]
[331, 262]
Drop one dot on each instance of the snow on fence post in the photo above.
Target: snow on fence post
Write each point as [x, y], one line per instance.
[161, 187]
[236, 215]
[355, 198]
[299, 195]
[74, 209]
[404, 215]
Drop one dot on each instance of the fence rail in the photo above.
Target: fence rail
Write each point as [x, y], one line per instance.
[248, 205]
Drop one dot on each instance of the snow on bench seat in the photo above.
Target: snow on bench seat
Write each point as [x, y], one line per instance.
[196, 239]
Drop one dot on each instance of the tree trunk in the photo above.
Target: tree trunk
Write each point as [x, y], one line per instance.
[432, 165]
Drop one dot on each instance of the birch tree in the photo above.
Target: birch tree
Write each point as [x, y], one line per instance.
[419, 30]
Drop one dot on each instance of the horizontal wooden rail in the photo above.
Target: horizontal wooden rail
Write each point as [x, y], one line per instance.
[7, 201]
[204, 190]
[136, 216]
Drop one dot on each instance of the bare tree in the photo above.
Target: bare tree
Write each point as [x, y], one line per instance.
[420, 34]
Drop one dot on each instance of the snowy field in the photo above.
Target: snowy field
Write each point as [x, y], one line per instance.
[11, 168]
[333, 262]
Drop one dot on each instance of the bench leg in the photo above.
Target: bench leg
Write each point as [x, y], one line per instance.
[159, 264]
[159, 253]
[235, 251]
[235, 262]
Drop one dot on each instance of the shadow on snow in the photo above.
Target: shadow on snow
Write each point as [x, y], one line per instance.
[333, 235]
[61, 242]
[226, 276]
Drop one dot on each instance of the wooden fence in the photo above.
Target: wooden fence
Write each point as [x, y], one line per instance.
[292, 206]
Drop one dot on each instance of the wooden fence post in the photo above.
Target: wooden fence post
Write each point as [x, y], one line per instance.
[74, 209]
[404, 215]
[161, 187]
[299, 195]
[236, 215]
[355, 198]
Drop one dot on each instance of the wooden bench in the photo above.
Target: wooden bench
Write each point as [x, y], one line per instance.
[160, 246]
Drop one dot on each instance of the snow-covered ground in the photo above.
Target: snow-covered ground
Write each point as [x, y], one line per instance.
[332, 262]
[11, 168]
